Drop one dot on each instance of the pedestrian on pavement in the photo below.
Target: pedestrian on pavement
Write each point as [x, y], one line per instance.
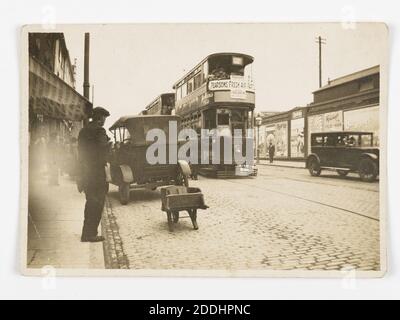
[271, 152]
[93, 153]
[53, 159]
[73, 156]
[38, 157]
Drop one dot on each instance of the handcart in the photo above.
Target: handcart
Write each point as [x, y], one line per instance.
[181, 198]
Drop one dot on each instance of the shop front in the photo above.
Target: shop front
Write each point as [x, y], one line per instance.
[349, 103]
[365, 119]
[297, 127]
[286, 132]
[54, 106]
[277, 134]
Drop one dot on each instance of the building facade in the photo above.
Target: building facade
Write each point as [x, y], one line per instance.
[348, 103]
[55, 107]
[285, 130]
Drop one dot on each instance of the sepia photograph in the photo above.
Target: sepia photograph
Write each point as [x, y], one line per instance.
[191, 149]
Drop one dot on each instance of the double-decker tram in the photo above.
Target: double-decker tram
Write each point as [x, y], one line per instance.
[162, 105]
[218, 94]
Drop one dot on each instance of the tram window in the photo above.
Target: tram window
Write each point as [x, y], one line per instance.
[238, 116]
[197, 81]
[190, 86]
[205, 70]
[209, 119]
[178, 93]
[223, 119]
[237, 70]
[184, 90]
[238, 61]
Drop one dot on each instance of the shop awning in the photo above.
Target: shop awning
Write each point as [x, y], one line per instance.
[52, 97]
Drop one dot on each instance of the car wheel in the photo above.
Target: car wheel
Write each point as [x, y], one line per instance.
[181, 179]
[342, 173]
[124, 193]
[313, 167]
[368, 170]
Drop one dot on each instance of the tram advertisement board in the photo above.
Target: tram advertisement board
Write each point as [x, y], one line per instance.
[237, 85]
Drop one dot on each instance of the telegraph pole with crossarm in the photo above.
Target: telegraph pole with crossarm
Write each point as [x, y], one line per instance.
[320, 42]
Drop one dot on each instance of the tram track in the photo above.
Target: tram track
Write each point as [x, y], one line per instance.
[305, 199]
[313, 182]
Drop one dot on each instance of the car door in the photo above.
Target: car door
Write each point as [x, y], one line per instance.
[329, 155]
[352, 151]
[341, 155]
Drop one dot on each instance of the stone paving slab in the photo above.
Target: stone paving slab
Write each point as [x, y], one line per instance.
[54, 228]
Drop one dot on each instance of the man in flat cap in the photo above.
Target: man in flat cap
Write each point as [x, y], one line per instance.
[93, 151]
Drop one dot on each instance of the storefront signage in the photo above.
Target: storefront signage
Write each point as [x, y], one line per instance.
[297, 114]
[333, 121]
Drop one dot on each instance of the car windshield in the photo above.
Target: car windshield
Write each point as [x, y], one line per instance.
[121, 134]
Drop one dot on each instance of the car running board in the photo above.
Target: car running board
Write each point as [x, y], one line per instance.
[335, 168]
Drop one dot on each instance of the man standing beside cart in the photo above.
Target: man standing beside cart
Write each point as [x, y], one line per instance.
[93, 152]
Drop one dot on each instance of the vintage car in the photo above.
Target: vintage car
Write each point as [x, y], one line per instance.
[129, 166]
[344, 152]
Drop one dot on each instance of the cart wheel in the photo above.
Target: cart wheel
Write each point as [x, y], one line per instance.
[175, 216]
[193, 217]
[124, 193]
[170, 223]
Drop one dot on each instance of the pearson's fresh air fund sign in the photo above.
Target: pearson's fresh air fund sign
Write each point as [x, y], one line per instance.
[237, 86]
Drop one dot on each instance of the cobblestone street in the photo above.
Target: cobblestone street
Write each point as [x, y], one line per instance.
[281, 220]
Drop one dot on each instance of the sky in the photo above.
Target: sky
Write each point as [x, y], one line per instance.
[132, 64]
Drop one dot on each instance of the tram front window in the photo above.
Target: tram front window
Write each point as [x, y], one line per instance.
[225, 66]
[223, 124]
[221, 67]
[209, 119]
[223, 119]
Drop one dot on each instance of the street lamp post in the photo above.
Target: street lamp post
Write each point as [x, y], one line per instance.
[258, 124]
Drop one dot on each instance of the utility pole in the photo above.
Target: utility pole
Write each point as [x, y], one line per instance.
[86, 85]
[320, 42]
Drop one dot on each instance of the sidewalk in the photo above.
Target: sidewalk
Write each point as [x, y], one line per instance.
[281, 163]
[54, 228]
